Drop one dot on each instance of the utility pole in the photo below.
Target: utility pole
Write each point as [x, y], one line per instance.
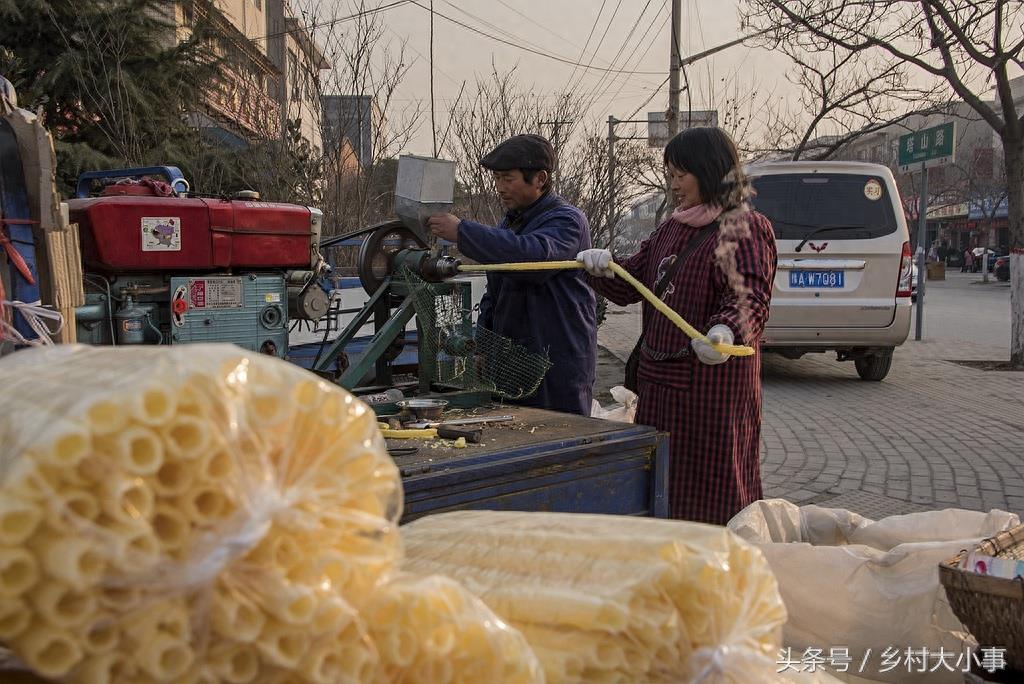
[611, 182]
[433, 107]
[922, 248]
[672, 115]
[612, 189]
[556, 141]
[675, 65]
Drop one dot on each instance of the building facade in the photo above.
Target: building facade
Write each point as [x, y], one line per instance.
[300, 61]
[356, 118]
[967, 197]
[269, 71]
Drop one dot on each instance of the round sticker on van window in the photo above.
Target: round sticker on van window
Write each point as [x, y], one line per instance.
[873, 190]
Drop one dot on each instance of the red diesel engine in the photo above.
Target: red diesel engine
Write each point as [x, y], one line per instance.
[133, 233]
[163, 267]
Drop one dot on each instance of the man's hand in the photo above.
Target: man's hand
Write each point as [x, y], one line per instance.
[719, 334]
[596, 262]
[445, 226]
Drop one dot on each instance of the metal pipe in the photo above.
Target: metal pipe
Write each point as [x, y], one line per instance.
[141, 290]
[110, 310]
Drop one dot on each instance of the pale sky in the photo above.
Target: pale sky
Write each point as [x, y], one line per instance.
[561, 28]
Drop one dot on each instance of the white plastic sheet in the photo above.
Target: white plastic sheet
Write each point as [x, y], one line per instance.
[623, 410]
[851, 582]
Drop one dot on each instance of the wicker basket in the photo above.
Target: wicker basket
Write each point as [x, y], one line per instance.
[992, 608]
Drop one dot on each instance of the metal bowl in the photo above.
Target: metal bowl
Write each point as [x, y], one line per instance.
[423, 409]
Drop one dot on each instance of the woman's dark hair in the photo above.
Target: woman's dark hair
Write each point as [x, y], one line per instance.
[710, 155]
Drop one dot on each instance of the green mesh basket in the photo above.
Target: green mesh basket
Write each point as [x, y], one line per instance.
[466, 356]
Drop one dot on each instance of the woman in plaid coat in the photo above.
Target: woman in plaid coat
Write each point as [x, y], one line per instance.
[708, 402]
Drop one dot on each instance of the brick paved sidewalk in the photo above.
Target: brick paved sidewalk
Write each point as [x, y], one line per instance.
[932, 435]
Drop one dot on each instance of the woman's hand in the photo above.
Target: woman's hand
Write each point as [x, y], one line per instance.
[719, 334]
[596, 262]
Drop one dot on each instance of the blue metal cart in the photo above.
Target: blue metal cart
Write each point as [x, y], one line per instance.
[542, 461]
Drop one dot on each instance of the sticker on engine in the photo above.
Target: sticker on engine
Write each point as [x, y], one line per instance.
[215, 293]
[272, 298]
[161, 234]
[873, 190]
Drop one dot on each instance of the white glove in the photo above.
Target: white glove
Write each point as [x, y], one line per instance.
[719, 334]
[596, 261]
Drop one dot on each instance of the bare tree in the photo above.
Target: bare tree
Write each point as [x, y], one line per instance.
[957, 44]
[342, 163]
[370, 68]
[501, 107]
[983, 188]
[498, 109]
[843, 96]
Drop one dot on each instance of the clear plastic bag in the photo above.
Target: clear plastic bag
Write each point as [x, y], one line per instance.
[430, 630]
[614, 598]
[195, 514]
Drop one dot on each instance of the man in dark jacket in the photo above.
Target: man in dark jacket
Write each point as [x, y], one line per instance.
[552, 312]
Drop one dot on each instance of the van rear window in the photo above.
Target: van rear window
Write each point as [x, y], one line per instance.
[857, 206]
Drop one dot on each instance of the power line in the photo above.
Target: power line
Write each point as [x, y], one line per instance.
[640, 60]
[600, 42]
[643, 90]
[583, 52]
[622, 47]
[501, 30]
[494, 27]
[648, 100]
[419, 54]
[686, 61]
[309, 28]
[537, 23]
[540, 53]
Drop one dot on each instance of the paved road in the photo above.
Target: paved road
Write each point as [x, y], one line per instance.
[934, 434]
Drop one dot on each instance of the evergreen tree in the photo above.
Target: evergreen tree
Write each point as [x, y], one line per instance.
[111, 78]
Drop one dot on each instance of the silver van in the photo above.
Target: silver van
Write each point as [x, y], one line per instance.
[844, 278]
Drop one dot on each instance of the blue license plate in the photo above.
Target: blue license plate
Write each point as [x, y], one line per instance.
[816, 279]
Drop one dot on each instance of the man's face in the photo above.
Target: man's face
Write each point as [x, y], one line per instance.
[514, 191]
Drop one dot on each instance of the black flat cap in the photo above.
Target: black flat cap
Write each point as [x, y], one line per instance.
[521, 152]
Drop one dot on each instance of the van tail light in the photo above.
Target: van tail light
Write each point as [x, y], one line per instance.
[904, 284]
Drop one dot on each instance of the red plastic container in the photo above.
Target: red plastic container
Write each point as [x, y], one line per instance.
[130, 233]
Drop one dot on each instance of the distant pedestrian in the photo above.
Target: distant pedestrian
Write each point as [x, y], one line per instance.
[968, 265]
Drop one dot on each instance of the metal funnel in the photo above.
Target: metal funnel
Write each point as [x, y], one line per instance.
[425, 186]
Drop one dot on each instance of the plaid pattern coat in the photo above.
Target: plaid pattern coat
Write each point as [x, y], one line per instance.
[712, 413]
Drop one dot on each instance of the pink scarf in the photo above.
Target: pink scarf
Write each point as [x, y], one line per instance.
[698, 215]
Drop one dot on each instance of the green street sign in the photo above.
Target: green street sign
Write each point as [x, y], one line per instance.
[932, 147]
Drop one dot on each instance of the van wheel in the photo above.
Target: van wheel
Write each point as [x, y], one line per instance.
[873, 367]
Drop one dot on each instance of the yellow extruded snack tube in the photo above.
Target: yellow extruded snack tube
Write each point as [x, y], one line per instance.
[163, 657]
[14, 618]
[430, 629]
[18, 519]
[50, 651]
[74, 560]
[19, 571]
[136, 450]
[611, 598]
